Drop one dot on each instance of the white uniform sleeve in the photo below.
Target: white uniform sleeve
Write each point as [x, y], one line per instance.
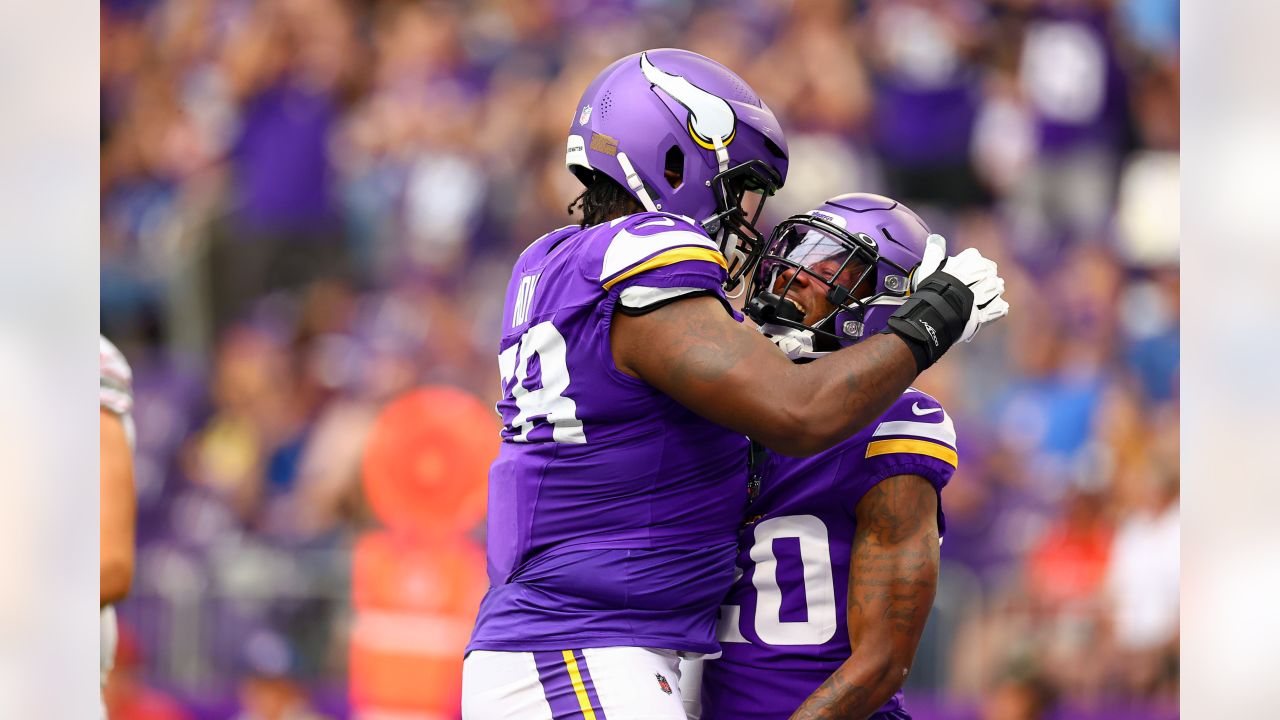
[115, 385]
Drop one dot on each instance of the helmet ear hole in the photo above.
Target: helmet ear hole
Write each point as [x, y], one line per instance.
[673, 168]
[773, 149]
[586, 176]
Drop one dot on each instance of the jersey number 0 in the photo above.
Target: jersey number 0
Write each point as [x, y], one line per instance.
[819, 624]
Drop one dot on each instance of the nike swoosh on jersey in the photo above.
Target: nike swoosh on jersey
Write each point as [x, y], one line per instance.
[915, 408]
[943, 431]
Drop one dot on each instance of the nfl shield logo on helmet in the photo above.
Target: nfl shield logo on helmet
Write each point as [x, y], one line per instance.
[662, 683]
[585, 115]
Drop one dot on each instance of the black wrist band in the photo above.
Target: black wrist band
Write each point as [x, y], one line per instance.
[932, 318]
[918, 349]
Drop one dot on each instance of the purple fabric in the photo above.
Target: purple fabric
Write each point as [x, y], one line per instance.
[1094, 44]
[795, 605]
[923, 127]
[624, 531]
[281, 159]
[817, 497]
[557, 685]
[588, 684]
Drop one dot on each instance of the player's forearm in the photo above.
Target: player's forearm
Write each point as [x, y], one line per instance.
[849, 389]
[854, 691]
[730, 374]
[116, 510]
[893, 574]
[115, 578]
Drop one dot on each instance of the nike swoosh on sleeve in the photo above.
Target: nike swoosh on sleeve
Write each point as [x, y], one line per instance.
[944, 431]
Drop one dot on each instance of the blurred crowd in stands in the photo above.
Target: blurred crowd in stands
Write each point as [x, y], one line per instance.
[309, 207]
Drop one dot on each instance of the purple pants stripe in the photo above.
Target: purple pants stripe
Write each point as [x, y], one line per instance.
[562, 688]
[590, 686]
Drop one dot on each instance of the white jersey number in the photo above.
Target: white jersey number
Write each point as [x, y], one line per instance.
[819, 625]
[548, 401]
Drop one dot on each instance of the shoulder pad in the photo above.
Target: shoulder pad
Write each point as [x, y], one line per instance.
[550, 237]
[916, 423]
[917, 414]
[649, 240]
[115, 386]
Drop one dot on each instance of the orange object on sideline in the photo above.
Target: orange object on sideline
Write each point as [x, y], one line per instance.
[427, 460]
[415, 603]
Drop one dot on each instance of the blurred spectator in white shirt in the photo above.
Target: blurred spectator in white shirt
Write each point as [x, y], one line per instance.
[1142, 587]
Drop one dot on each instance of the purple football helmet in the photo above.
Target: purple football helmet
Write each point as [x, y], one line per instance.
[859, 249]
[684, 135]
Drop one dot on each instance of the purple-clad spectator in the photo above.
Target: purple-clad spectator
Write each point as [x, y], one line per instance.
[280, 160]
[289, 63]
[1075, 88]
[1071, 73]
[926, 96]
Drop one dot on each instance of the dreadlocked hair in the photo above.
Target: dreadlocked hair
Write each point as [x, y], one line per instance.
[603, 200]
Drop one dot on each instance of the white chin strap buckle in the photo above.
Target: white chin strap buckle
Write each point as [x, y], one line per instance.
[795, 344]
[722, 153]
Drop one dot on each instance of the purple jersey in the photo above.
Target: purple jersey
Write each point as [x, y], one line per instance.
[613, 510]
[783, 625]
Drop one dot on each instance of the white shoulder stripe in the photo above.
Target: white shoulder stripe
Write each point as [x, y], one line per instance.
[640, 297]
[944, 432]
[626, 249]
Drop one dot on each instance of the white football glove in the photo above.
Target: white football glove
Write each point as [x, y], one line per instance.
[972, 269]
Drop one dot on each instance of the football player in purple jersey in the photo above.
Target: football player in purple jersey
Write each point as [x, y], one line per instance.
[839, 559]
[629, 387]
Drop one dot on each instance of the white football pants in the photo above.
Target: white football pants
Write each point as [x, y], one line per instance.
[611, 683]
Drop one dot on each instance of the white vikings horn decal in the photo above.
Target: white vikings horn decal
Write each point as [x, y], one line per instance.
[710, 116]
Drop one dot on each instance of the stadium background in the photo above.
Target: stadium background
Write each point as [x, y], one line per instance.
[310, 207]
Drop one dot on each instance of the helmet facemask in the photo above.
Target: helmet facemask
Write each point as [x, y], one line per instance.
[740, 193]
[844, 265]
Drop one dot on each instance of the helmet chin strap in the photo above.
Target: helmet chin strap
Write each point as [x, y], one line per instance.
[634, 182]
[734, 255]
[722, 153]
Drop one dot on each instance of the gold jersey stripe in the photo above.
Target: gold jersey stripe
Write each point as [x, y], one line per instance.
[918, 447]
[670, 257]
[584, 702]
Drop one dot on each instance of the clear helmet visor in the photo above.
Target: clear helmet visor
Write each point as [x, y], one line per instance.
[809, 250]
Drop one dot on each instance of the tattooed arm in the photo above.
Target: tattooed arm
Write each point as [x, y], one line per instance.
[892, 579]
[730, 374]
